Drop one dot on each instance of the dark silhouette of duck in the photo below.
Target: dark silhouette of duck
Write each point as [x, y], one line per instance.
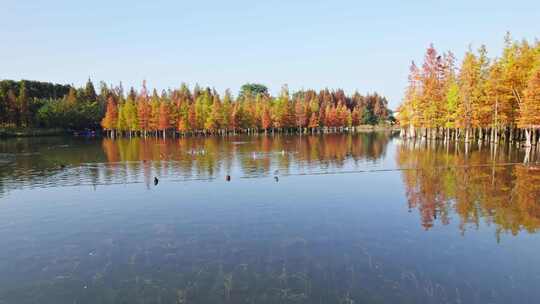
[156, 181]
[228, 178]
[276, 178]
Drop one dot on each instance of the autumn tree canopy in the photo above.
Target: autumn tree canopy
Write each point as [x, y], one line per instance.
[482, 98]
[184, 110]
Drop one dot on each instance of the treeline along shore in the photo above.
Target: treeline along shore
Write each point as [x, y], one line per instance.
[185, 111]
[485, 99]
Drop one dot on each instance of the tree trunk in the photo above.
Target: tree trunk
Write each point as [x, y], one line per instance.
[411, 132]
[511, 135]
[527, 155]
[480, 134]
[527, 138]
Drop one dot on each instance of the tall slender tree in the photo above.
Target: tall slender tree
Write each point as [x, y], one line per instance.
[529, 109]
[164, 122]
[23, 103]
[109, 122]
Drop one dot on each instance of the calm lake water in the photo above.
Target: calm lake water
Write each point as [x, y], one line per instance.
[363, 218]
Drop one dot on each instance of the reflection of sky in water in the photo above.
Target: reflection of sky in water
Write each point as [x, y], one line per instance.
[333, 238]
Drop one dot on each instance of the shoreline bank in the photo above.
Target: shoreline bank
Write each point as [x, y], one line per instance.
[31, 132]
[38, 132]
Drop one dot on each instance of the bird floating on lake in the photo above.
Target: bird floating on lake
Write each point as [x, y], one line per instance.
[228, 178]
[156, 181]
[276, 178]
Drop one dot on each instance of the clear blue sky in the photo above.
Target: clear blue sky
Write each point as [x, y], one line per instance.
[354, 45]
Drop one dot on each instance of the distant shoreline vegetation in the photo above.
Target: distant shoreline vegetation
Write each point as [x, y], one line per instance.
[28, 106]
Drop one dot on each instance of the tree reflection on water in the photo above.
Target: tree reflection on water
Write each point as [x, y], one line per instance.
[486, 185]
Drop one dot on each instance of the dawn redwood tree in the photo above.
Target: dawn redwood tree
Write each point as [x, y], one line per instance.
[132, 94]
[226, 111]
[266, 119]
[355, 116]
[192, 118]
[213, 121]
[496, 100]
[432, 101]
[322, 116]
[450, 92]
[143, 113]
[153, 121]
[313, 122]
[257, 114]
[235, 118]
[342, 116]
[183, 125]
[122, 121]
[517, 61]
[409, 111]
[131, 117]
[331, 116]
[529, 109]
[143, 110]
[111, 116]
[468, 83]
[201, 110]
[164, 120]
[481, 108]
[451, 105]
[300, 111]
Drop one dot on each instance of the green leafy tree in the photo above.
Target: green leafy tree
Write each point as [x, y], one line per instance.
[23, 102]
[252, 90]
[89, 91]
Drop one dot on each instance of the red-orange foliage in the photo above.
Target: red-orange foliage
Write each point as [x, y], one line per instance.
[164, 121]
[266, 119]
[143, 112]
[313, 121]
[301, 115]
[111, 115]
